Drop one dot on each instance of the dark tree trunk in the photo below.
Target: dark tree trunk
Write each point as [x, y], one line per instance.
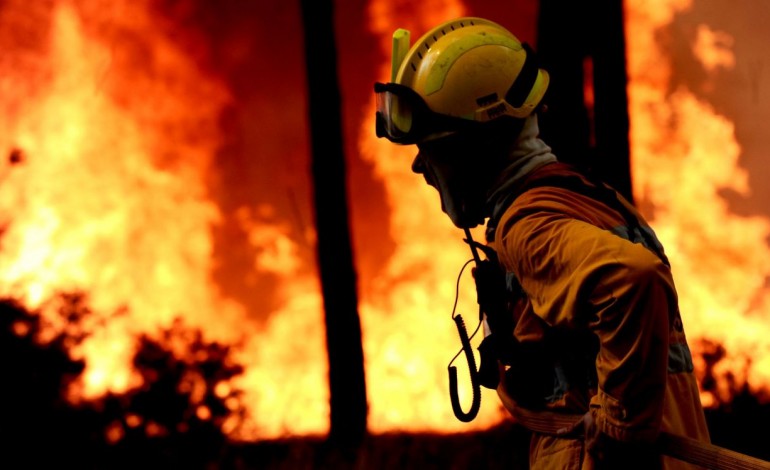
[583, 43]
[335, 259]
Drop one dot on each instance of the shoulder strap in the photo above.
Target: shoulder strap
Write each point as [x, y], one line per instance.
[596, 190]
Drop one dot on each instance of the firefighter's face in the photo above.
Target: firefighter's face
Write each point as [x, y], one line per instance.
[453, 166]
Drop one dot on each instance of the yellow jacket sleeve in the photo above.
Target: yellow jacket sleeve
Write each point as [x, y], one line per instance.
[578, 275]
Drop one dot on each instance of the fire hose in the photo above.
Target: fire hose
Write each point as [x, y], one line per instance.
[679, 447]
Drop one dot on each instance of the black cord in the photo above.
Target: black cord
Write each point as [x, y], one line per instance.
[463, 416]
[454, 307]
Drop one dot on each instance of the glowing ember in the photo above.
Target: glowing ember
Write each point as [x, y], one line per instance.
[683, 155]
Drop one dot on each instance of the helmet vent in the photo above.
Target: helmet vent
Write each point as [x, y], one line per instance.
[487, 100]
[496, 111]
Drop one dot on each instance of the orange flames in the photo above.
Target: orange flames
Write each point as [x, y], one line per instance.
[683, 154]
[109, 197]
[87, 207]
[111, 131]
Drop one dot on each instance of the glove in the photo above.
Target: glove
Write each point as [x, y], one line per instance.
[602, 452]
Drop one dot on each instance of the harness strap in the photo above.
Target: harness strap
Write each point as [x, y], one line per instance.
[597, 190]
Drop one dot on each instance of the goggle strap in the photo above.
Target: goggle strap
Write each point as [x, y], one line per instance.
[524, 82]
[425, 122]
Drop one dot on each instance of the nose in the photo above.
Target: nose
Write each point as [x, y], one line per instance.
[418, 166]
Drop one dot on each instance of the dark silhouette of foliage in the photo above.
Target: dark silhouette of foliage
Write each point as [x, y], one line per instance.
[736, 424]
[35, 419]
[172, 421]
[176, 417]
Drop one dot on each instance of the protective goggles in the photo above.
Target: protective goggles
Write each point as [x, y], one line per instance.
[404, 118]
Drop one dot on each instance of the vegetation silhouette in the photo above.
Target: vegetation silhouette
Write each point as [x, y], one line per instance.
[173, 420]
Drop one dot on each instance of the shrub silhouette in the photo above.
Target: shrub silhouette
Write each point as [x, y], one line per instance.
[173, 420]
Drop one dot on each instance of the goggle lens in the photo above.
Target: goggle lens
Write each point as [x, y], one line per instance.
[404, 118]
[395, 116]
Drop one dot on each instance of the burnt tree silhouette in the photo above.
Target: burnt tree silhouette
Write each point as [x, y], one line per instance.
[335, 258]
[591, 135]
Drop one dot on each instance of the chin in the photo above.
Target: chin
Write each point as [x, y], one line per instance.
[465, 225]
[467, 222]
[464, 218]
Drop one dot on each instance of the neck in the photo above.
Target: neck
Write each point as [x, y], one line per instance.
[527, 154]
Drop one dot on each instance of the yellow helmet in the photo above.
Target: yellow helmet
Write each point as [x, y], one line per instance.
[465, 70]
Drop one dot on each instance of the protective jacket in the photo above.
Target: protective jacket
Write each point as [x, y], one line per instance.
[598, 324]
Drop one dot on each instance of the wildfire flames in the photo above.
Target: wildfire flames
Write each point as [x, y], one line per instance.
[85, 203]
[683, 154]
[111, 132]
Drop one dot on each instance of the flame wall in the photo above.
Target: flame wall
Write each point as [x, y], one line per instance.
[148, 165]
[155, 157]
[694, 81]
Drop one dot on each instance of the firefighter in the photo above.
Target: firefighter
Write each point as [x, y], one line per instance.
[593, 326]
